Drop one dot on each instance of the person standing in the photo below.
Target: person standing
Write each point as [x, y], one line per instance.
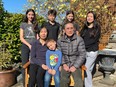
[73, 55]
[91, 35]
[52, 26]
[38, 60]
[53, 61]
[70, 17]
[28, 34]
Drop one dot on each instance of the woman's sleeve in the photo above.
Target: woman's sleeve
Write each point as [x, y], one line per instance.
[33, 53]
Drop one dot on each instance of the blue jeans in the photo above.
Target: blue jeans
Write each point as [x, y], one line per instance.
[48, 78]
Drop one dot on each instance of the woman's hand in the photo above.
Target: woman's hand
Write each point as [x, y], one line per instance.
[29, 46]
[45, 67]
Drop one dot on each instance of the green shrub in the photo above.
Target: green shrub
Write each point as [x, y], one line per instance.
[11, 36]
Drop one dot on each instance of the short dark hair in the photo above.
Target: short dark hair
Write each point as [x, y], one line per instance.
[53, 12]
[50, 40]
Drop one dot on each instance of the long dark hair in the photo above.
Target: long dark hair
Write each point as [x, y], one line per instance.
[66, 20]
[34, 21]
[95, 27]
[26, 19]
[67, 13]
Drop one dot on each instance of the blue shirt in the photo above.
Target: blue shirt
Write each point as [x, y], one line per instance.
[53, 59]
[38, 53]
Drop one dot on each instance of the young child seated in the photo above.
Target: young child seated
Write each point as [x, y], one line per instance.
[53, 61]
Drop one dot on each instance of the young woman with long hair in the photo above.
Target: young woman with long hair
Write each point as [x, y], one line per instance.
[28, 34]
[90, 34]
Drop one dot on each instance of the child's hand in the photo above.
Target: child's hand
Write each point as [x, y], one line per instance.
[45, 67]
[50, 71]
[53, 72]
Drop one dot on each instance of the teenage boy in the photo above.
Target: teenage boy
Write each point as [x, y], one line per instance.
[52, 26]
[53, 61]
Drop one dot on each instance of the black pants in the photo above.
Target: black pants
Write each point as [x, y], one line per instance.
[25, 52]
[36, 76]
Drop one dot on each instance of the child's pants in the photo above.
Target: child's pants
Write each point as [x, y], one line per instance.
[48, 78]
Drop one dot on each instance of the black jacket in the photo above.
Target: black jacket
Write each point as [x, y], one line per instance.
[91, 42]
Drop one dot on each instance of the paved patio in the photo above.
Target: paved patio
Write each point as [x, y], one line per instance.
[96, 83]
[96, 80]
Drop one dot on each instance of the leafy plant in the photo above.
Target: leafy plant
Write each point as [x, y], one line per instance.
[105, 10]
[10, 43]
[3, 13]
[11, 34]
[5, 57]
[42, 6]
[12, 28]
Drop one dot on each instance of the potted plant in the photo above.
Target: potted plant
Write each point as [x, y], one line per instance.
[7, 70]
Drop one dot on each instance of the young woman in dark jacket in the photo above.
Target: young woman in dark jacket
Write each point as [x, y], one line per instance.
[90, 34]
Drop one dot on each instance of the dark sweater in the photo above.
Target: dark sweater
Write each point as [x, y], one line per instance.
[38, 53]
[91, 42]
[53, 30]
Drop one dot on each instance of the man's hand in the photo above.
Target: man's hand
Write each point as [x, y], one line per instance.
[66, 68]
[72, 69]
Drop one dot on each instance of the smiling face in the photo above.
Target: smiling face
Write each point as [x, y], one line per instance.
[30, 16]
[90, 17]
[70, 17]
[43, 33]
[51, 45]
[69, 29]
